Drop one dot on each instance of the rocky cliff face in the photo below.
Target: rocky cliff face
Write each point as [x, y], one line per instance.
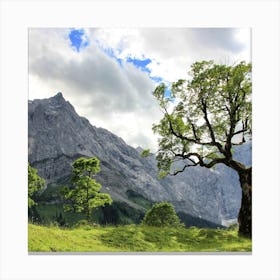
[57, 135]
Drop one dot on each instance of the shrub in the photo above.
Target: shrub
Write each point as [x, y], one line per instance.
[161, 214]
[85, 224]
[233, 226]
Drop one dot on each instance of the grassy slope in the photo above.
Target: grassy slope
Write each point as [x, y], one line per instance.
[134, 239]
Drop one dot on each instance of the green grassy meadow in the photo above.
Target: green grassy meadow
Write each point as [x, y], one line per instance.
[134, 238]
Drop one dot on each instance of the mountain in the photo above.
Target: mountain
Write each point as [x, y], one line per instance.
[57, 135]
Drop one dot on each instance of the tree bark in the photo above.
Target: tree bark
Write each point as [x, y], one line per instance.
[245, 212]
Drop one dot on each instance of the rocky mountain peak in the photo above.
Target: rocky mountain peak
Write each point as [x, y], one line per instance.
[58, 98]
[58, 95]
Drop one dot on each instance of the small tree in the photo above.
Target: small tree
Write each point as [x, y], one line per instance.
[210, 114]
[161, 214]
[85, 196]
[35, 183]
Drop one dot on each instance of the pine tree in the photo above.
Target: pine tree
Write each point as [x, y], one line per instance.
[86, 195]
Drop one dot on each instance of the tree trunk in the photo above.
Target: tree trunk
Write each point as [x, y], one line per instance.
[245, 212]
[87, 214]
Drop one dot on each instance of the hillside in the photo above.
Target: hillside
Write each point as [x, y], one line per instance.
[134, 239]
[57, 135]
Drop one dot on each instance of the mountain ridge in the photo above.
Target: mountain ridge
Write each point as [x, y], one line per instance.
[57, 135]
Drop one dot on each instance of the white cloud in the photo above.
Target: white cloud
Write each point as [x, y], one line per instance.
[173, 50]
[118, 96]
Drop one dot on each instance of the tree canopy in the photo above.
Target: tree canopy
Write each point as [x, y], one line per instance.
[162, 214]
[86, 195]
[35, 183]
[205, 117]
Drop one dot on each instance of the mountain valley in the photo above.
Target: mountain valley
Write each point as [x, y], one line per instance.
[57, 136]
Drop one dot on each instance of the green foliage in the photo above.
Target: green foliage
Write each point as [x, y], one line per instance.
[117, 213]
[34, 216]
[138, 199]
[50, 194]
[120, 213]
[145, 153]
[190, 220]
[35, 183]
[48, 214]
[233, 227]
[84, 224]
[59, 219]
[134, 239]
[212, 112]
[85, 196]
[161, 214]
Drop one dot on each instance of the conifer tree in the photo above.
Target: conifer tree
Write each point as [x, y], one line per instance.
[86, 195]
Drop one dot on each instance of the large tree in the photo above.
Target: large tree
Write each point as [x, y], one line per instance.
[204, 118]
[86, 195]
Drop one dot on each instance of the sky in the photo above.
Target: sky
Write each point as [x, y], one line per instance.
[109, 74]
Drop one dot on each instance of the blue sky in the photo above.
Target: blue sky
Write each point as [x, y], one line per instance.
[78, 39]
[140, 63]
